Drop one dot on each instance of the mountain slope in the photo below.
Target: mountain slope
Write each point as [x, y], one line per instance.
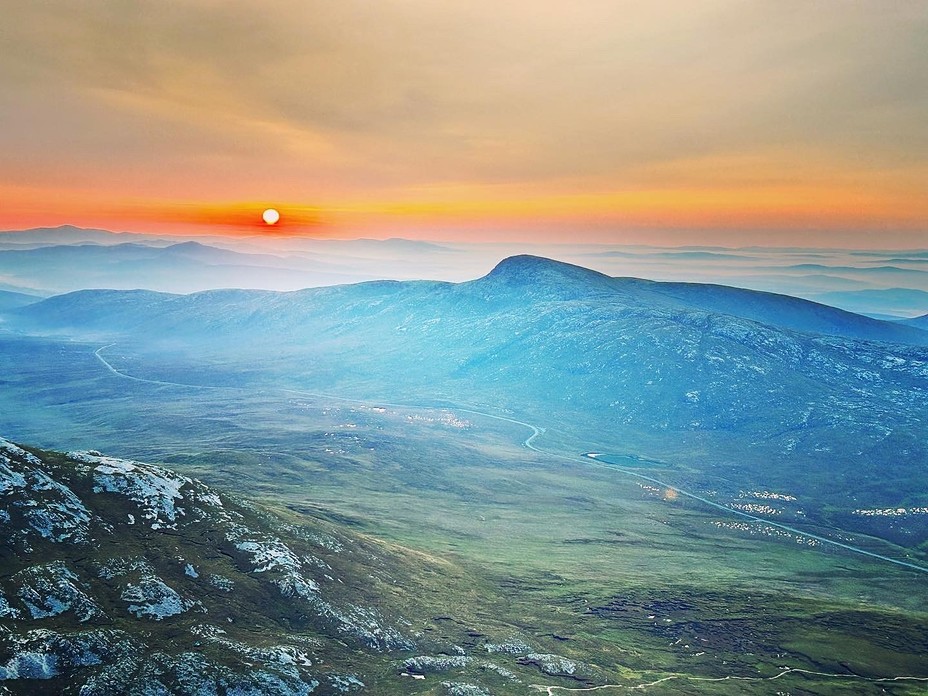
[786, 312]
[126, 578]
[918, 322]
[520, 279]
[661, 369]
[12, 300]
[157, 552]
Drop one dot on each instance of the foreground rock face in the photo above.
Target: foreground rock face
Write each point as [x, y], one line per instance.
[120, 577]
[126, 577]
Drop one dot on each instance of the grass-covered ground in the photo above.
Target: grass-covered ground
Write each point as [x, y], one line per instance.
[639, 584]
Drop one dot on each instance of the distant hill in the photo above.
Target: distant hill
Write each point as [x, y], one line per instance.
[903, 301]
[786, 312]
[67, 234]
[181, 267]
[918, 322]
[12, 300]
[769, 384]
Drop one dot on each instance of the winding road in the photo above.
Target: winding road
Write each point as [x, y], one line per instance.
[550, 690]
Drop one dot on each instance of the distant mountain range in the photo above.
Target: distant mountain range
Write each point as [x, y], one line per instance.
[181, 267]
[12, 300]
[766, 385]
[899, 301]
[46, 261]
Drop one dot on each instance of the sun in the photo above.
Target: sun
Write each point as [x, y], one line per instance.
[270, 216]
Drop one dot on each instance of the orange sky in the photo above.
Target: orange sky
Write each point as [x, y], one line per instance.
[723, 122]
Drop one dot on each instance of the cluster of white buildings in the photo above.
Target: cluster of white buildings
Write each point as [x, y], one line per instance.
[891, 512]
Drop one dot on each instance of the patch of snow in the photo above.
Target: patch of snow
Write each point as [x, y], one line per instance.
[52, 589]
[152, 598]
[9, 447]
[49, 508]
[30, 665]
[156, 491]
[221, 583]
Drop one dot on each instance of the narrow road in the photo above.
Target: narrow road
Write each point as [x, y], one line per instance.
[550, 690]
[116, 372]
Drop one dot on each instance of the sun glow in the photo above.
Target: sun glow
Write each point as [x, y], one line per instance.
[270, 216]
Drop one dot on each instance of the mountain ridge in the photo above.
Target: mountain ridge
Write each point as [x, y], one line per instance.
[771, 386]
[524, 277]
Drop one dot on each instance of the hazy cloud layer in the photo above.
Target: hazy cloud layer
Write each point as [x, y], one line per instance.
[419, 101]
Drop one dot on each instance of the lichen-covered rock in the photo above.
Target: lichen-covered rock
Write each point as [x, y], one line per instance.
[462, 689]
[34, 505]
[513, 646]
[193, 673]
[500, 670]
[291, 573]
[156, 491]
[344, 683]
[51, 589]
[43, 654]
[424, 664]
[151, 598]
[220, 582]
[6, 611]
[555, 665]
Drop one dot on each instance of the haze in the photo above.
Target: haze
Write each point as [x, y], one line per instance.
[734, 123]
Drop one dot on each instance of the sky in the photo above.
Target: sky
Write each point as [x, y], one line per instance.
[732, 122]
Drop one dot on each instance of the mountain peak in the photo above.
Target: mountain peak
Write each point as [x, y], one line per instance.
[542, 277]
[535, 270]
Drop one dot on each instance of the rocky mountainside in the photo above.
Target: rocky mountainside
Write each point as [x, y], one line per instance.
[124, 578]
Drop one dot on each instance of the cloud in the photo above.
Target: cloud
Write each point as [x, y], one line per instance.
[336, 99]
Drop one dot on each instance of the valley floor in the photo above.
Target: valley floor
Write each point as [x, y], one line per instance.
[654, 587]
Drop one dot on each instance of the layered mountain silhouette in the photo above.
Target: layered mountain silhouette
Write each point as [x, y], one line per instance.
[768, 385]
